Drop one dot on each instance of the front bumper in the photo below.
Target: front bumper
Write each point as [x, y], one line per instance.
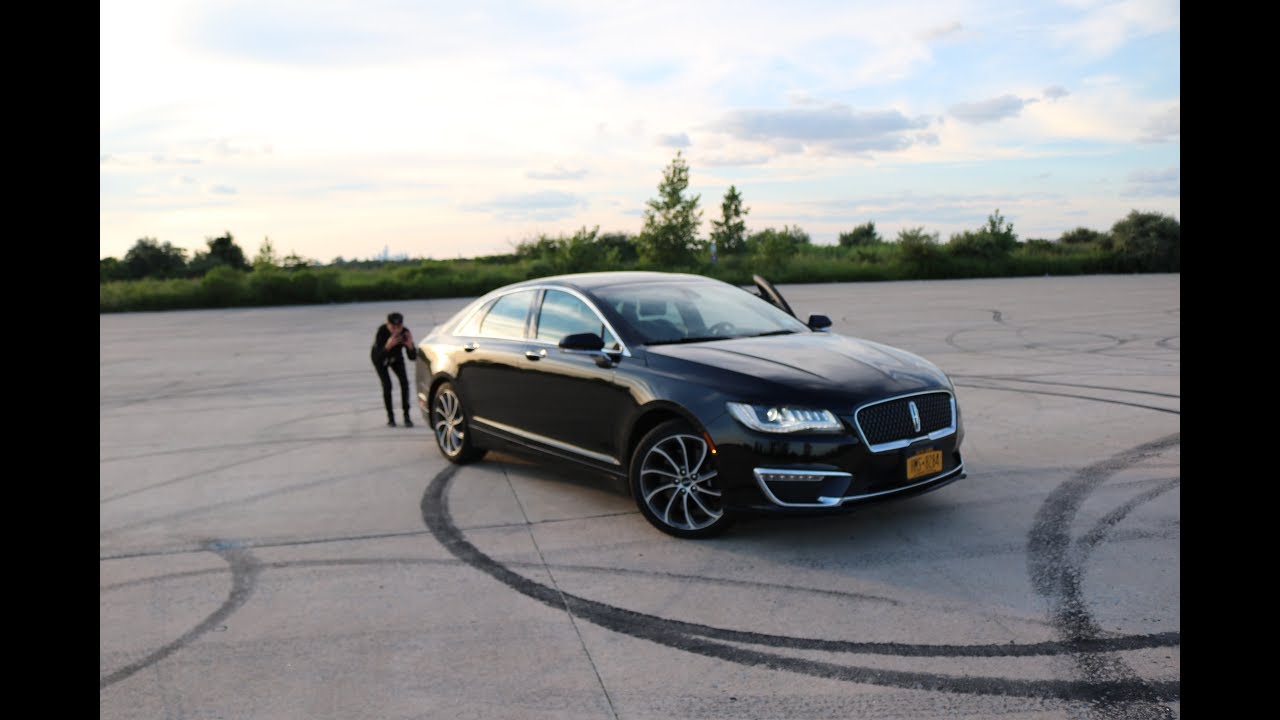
[832, 489]
[822, 472]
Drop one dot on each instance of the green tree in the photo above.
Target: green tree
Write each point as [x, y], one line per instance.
[222, 251]
[670, 234]
[294, 261]
[112, 269]
[917, 248]
[266, 257]
[619, 246]
[772, 248]
[863, 235]
[1153, 240]
[995, 240]
[150, 259]
[729, 234]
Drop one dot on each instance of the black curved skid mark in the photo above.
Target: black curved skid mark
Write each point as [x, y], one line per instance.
[1029, 381]
[1090, 540]
[1069, 395]
[1110, 644]
[701, 640]
[1056, 573]
[244, 574]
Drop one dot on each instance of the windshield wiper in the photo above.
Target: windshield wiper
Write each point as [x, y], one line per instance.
[681, 341]
[774, 332]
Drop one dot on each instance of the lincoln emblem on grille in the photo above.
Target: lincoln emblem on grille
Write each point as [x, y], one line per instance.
[915, 415]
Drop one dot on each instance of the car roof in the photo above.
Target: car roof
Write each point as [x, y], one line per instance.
[597, 280]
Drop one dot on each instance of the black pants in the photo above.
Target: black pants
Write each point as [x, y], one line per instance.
[385, 376]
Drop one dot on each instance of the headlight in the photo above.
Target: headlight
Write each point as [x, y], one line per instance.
[782, 419]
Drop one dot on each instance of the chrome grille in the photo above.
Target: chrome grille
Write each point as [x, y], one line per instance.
[890, 421]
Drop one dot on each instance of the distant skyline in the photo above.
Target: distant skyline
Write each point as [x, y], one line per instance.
[431, 129]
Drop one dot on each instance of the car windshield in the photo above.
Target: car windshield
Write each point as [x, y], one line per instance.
[662, 313]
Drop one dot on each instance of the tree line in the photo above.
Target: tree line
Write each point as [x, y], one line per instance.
[155, 275]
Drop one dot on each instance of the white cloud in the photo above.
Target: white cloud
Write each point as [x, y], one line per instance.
[1164, 127]
[1106, 27]
[990, 110]
[424, 125]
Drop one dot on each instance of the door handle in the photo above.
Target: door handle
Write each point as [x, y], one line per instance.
[470, 347]
[535, 354]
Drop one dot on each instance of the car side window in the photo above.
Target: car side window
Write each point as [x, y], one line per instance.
[563, 314]
[506, 319]
[472, 326]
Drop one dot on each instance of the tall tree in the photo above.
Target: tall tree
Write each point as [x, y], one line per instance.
[729, 234]
[222, 251]
[670, 234]
[148, 258]
[864, 234]
[266, 258]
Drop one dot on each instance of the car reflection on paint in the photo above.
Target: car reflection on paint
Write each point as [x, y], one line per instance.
[710, 400]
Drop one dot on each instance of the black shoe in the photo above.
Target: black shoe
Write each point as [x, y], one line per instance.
[407, 421]
[391, 422]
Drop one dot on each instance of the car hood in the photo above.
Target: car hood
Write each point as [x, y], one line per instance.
[824, 364]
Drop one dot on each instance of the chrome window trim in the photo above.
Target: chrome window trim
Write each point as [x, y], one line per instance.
[484, 300]
[601, 457]
[899, 444]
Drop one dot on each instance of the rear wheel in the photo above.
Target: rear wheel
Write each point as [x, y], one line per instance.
[673, 481]
[449, 423]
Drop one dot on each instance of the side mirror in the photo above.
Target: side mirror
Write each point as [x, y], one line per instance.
[821, 323]
[588, 344]
[582, 342]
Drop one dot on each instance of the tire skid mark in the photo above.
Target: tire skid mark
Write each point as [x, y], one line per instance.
[1066, 349]
[1090, 540]
[704, 640]
[1057, 574]
[190, 476]
[378, 433]
[241, 501]
[1069, 395]
[993, 650]
[244, 575]
[998, 317]
[1013, 378]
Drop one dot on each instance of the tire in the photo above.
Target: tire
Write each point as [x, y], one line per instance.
[449, 425]
[673, 482]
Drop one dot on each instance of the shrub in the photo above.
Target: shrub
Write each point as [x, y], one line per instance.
[1082, 236]
[1152, 240]
[223, 286]
[917, 249]
[995, 240]
[862, 235]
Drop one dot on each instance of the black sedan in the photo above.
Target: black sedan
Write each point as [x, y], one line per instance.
[709, 399]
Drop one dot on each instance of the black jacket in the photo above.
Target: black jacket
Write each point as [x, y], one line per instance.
[381, 356]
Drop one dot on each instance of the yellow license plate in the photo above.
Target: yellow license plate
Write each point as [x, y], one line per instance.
[924, 463]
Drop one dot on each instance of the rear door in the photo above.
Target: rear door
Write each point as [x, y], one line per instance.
[490, 378]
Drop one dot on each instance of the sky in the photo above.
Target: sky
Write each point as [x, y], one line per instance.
[424, 129]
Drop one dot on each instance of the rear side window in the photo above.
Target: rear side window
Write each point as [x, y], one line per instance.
[506, 319]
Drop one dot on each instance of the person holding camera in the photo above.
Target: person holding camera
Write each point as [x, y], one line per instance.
[389, 344]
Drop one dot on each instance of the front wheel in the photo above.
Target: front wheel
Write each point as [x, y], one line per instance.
[449, 424]
[673, 481]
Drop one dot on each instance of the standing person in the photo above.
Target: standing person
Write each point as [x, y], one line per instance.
[386, 355]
